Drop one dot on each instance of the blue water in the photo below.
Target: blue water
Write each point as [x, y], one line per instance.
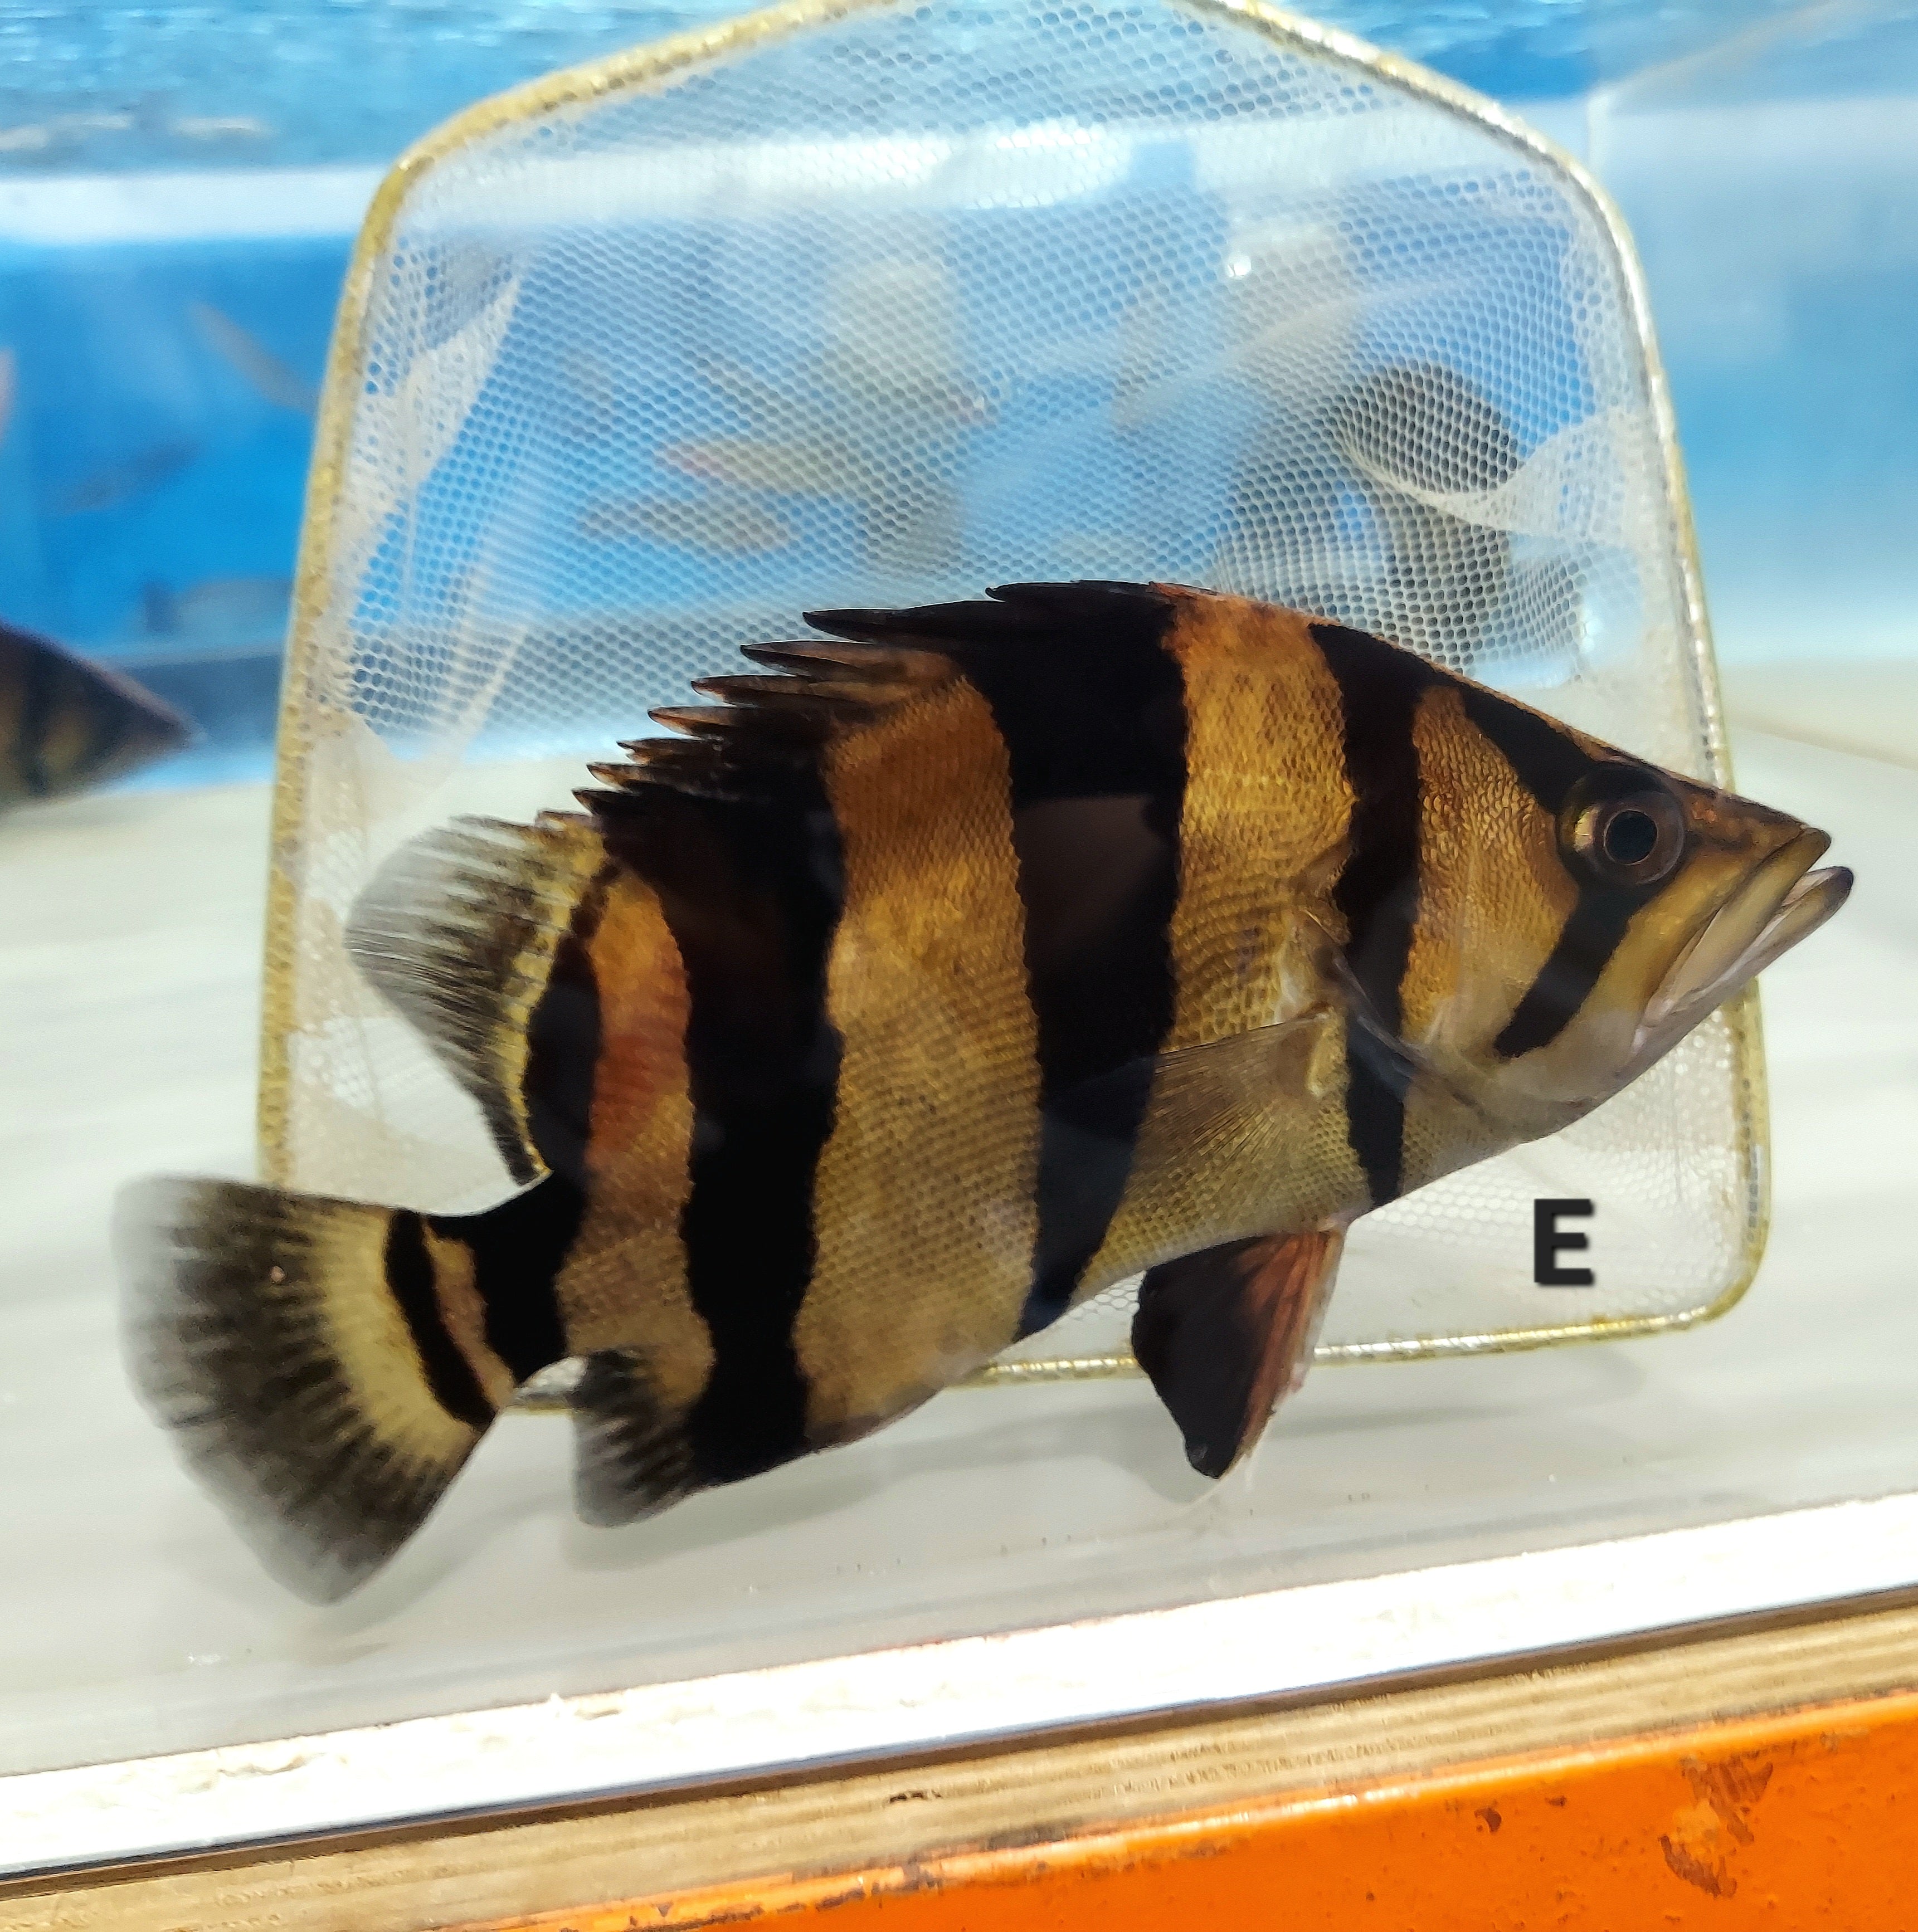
[329, 81]
[150, 478]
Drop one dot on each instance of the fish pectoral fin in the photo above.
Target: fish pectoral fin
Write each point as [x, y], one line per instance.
[1229, 1091]
[457, 932]
[1226, 1334]
[632, 1454]
[1223, 1096]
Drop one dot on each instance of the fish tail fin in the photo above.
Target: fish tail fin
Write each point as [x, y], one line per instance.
[327, 1366]
[458, 932]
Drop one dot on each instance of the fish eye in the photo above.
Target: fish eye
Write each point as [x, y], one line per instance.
[1630, 836]
[1625, 829]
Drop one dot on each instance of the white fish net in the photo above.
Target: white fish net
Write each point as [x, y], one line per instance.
[855, 304]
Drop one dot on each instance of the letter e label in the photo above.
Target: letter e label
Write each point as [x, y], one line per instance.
[1549, 1240]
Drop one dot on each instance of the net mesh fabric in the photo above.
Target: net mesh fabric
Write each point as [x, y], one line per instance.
[884, 305]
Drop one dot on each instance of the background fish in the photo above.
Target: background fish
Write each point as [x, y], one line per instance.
[131, 476]
[222, 127]
[895, 339]
[1426, 425]
[1437, 580]
[263, 371]
[66, 724]
[958, 966]
[591, 398]
[217, 610]
[722, 524]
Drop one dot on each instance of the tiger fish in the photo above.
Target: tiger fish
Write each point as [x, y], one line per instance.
[66, 724]
[943, 971]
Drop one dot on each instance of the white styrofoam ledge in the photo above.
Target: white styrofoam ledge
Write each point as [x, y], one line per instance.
[1318, 1636]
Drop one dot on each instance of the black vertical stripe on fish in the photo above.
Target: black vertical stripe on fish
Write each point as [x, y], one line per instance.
[562, 1044]
[1103, 999]
[1104, 993]
[1545, 759]
[1548, 762]
[1591, 935]
[1090, 704]
[409, 1275]
[751, 889]
[1087, 1138]
[518, 1249]
[1377, 889]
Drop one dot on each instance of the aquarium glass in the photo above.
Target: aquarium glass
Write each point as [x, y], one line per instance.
[880, 309]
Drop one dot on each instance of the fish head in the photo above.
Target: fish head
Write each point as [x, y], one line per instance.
[1581, 911]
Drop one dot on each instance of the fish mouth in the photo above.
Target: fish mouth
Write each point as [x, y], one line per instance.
[1782, 902]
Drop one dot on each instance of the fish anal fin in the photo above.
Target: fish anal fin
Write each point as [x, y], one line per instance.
[458, 932]
[632, 1455]
[1226, 1334]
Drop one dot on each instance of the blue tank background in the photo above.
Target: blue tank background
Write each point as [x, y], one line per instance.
[150, 492]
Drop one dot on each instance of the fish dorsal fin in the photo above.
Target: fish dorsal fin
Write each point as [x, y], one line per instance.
[1227, 1334]
[1078, 677]
[1025, 614]
[767, 732]
[1037, 651]
[458, 932]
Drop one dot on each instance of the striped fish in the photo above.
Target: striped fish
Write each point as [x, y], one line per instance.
[67, 725]
[944, 971]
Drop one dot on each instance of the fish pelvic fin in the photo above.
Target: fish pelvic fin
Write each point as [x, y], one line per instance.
[1226, 1334]
[326, 1367]
[632, 1453]
[458, 932]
